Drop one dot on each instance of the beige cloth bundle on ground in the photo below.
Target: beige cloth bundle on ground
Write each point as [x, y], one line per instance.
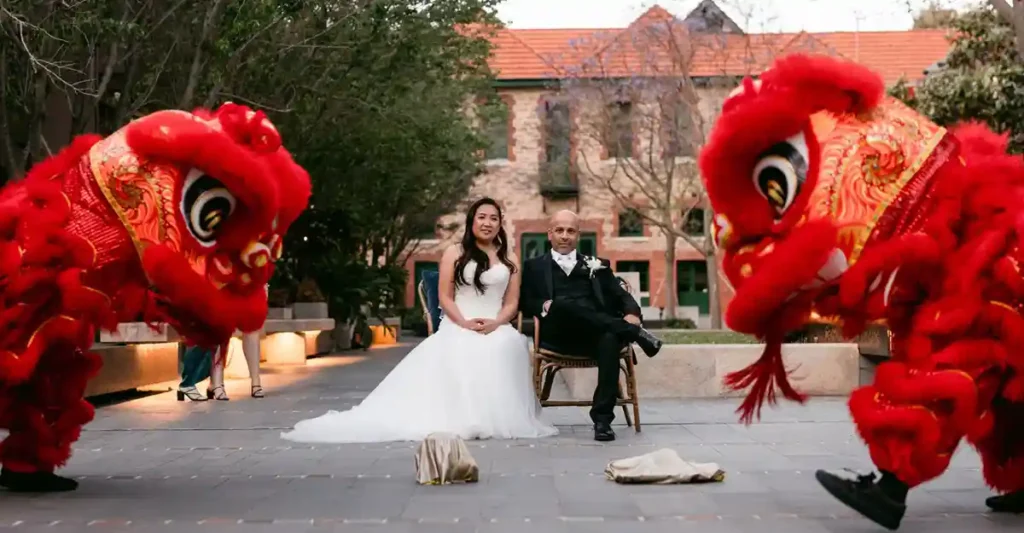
[443, 458]
[662, 467]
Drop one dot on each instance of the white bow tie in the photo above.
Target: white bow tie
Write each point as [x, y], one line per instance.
[566, 262]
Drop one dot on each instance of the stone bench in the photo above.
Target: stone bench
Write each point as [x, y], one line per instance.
[697, 370]
[135, 355]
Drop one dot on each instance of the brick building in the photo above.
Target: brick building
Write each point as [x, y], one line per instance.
[529, 64]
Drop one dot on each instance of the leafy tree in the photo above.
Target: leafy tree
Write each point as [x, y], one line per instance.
[982, 78]
[370, 97]
[934, 15]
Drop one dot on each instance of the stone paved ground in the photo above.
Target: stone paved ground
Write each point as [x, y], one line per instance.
[156, 465]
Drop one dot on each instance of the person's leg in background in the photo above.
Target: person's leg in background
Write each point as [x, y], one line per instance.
[216, 390]
[251, 349]
[195, 367]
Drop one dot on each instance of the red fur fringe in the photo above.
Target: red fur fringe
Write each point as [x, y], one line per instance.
[762, 378]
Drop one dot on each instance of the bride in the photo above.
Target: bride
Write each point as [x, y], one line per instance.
[472, 377]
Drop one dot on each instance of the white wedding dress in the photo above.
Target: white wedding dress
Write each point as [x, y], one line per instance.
[456, 381]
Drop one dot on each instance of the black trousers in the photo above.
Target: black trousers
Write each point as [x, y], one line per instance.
[579, 327]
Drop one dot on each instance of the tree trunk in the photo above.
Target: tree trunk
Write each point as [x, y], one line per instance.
[669, 285]
[714, 301]
[1014, 14]
[194, 73]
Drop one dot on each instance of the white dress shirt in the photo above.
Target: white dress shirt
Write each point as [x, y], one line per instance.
[566, 261]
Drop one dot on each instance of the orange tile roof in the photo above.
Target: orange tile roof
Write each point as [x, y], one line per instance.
[525, 54]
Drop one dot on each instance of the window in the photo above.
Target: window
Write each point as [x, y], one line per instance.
[692, 284]
[631, 223]
[678, 123]
[693, 222]
[419, 268]
[535, 244]
[643, 268]
[620, 135]
[497, 129]
[557, 142]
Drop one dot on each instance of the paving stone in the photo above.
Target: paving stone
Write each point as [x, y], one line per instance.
[158, 465]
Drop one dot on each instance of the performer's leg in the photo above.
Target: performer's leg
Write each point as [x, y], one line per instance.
[1002, 454]
[45, 416]
[912, 421]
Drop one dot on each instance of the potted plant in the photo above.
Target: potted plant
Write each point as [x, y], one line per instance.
[309, 301]
[279, 304]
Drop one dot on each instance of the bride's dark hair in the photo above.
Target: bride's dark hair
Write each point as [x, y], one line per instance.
[472, 252]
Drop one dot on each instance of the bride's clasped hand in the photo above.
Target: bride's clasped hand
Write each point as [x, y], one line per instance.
[483, 326]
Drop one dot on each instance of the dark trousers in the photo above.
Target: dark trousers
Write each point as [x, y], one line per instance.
[580, 328]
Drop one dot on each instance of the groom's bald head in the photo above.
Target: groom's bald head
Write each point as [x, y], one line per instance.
[564, 231]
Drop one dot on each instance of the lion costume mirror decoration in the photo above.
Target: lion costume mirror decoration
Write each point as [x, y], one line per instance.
[833, 200]
[178, 218]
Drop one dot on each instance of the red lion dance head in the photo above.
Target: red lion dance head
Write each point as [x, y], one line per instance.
[206, 199]
[814, 176]
[178, 217]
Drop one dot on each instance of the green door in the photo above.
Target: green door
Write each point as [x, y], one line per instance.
[535, 244]
[692, 284]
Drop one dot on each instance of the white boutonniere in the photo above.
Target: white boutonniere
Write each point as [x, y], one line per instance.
[593, 264]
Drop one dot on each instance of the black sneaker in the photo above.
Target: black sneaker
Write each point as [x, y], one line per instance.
[864, 496]
[1007, 503]
[647, 342]
[35, 482]
[603, 432]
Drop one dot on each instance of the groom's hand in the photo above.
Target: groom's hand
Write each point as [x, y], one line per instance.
[632, 319]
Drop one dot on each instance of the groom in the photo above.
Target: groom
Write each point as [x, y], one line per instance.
[583, 311]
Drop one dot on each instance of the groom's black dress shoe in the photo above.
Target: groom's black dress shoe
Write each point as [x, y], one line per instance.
[647, 342]
[603, 432]
[35, 482]
[1012, 502]
[882, 501]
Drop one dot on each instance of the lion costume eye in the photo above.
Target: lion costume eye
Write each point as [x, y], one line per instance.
[205, 205]
[781, 171]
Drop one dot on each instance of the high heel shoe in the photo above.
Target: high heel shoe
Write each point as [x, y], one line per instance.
[257, 391]
[217, 393]
[191, 393]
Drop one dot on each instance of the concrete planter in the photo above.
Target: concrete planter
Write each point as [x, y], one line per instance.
[279, 313]
[697, 370]
[343, 336]
[139, 333]
[387, 332]
[129, 367]
[310, 310]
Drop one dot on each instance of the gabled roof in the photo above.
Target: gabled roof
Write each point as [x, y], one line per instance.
[527, 54]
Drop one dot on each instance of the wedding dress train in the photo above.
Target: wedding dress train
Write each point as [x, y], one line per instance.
[456, 381]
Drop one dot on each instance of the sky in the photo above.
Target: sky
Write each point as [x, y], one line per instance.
[754, 16]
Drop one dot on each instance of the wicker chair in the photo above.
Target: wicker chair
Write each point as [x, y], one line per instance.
[548, 362]
[428, 297]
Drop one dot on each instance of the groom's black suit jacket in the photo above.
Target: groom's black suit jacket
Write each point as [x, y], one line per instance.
[544, 280]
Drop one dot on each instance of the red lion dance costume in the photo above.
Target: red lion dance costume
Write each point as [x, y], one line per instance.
[835, 200]
[178, 218]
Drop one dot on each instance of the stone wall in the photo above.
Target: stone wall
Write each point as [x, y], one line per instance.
[697, 370]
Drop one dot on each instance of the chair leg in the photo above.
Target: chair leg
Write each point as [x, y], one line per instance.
[633, 393]
[625, 410]
[549, 381]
